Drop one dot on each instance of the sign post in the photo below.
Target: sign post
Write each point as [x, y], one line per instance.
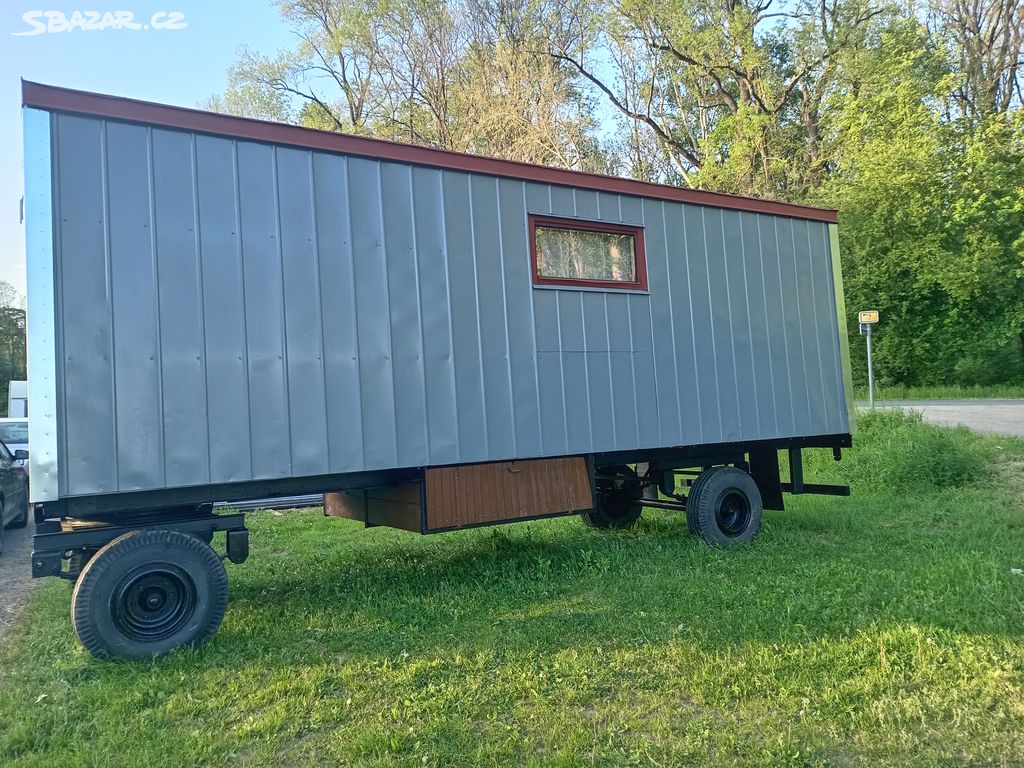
[867, 319]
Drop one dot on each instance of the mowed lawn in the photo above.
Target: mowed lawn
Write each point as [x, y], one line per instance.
[884, 629]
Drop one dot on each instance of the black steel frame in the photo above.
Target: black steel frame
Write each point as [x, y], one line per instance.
[53, 543]
[187, 508]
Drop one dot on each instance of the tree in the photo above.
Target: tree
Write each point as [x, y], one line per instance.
[462, 76]
[12, 338]
[932, 231]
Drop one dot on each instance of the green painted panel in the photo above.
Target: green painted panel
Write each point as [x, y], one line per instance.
[844, 339]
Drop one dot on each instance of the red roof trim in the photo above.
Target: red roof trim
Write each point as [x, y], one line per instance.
[66, 100]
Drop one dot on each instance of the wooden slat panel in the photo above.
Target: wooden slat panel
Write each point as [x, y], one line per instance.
[487, 493]
[348, 505]
[394, 506]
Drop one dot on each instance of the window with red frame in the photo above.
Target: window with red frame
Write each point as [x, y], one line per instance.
[571, 252]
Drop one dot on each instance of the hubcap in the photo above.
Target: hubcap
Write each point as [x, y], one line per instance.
[732, 513]
[153, 601]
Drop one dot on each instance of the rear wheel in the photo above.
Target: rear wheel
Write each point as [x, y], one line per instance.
[724, 506]
[147, 593]
[617, 501]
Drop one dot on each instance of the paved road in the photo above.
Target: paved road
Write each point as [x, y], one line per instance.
[995, 417]
[15, 574]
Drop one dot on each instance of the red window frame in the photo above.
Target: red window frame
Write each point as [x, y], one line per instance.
[558, 222]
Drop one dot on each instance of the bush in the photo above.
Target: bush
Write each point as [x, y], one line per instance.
[894, 450]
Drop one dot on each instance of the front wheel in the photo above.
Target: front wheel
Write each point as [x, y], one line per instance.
[147, 593]
[724, 506]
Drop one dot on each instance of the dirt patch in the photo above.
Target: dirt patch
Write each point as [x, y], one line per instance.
[16, 580]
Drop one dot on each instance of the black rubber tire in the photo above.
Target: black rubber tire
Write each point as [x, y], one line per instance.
[22, 519]
[120, 591]
[77, 562]
[620, 507]
[724, 507]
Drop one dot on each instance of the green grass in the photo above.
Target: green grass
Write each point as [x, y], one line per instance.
[884, 629]
[941, 392]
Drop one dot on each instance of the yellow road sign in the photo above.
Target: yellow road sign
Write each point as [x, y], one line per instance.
[868, 316]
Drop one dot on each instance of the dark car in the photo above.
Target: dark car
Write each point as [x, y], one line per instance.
[13, 490]
[14, 434]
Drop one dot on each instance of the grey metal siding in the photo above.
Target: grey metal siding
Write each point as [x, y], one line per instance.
[232, 310]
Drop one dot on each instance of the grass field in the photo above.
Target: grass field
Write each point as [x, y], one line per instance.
[941, 392]
[884, 629]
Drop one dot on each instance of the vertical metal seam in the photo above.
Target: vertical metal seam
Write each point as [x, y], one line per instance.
[319, 306]
[355, 315]
[632, 351]
[387, 301]
[108, 266]
[201, 282]
[505, 319]
[800, 324]
[650, 314]
[672, 314]
[785, 340]
[732, 330]
[699, 410]
[768, 340]
[561, 347]
[151, 199]
[608, 346]
[245, 311]
[284, 306]
[711, 321]
[611, 372]
[817, 336]
[533, 324]
[586, 355]
[750, 326]
[419, 311]
[453, 379]
[58, 304]
[476, 298]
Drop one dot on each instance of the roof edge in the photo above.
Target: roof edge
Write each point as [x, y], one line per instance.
[56, 99]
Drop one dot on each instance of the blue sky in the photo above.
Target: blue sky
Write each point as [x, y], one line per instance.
[179, 66]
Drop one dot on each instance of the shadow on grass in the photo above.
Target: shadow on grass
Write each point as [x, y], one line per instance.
[827, 568]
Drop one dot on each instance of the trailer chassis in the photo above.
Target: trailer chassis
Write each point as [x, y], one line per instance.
[147, 579]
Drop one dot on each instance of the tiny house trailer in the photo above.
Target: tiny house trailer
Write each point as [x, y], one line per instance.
[223, 309]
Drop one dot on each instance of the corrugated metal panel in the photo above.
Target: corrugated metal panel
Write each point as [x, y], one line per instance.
[230, 310]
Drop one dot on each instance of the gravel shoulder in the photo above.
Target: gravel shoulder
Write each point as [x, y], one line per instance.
[993, 417]
[15, 575]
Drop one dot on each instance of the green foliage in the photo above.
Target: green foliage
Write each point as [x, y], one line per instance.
[932, 230]
[12, 342]
[896, 451]
[941, 392]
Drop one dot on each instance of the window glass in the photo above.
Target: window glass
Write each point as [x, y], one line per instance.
[578, 254]
[14, 432]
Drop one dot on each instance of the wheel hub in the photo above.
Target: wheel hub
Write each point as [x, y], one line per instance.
[732, 513]
[153, 601]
